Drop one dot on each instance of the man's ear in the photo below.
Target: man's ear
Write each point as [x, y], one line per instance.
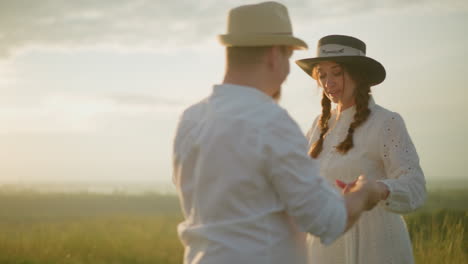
[272, 57]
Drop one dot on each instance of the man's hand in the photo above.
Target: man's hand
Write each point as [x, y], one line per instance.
[360, 195]
[371, 191]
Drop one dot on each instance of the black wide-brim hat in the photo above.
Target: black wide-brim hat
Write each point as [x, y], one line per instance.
[347, 50]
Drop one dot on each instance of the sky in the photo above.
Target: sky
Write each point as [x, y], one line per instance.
[92, 90]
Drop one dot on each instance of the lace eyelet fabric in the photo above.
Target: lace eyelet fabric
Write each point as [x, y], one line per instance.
[383, 150]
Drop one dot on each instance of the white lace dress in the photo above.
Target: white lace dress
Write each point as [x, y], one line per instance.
[382, 150]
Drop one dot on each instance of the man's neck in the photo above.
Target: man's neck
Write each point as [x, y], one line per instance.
[248, 78]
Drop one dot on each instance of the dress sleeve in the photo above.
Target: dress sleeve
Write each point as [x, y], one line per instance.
[404, 176]
[314, 205]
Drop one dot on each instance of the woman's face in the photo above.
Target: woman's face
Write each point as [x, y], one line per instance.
[336, 83]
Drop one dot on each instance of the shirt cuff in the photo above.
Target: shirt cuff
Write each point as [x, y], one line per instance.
[387, 202]
[335, 226]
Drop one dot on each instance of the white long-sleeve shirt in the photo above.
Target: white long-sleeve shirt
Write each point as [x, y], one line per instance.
[246, 184]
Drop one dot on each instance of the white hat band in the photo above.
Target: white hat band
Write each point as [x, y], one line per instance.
[333, 50]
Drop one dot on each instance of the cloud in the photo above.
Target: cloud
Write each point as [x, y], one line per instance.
[304, 10]
[135, 23]
[152, 24]
[144, 100]
[7, 75]
[58, 113]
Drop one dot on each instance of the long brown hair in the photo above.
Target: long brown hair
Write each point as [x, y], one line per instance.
[361, 97]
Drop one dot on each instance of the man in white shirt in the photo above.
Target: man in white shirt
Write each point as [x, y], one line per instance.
[246, 184]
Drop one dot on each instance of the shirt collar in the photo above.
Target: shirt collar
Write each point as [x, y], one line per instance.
[240, 90]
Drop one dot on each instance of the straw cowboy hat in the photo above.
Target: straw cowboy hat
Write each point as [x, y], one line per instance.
[346, 49]
[264, 24]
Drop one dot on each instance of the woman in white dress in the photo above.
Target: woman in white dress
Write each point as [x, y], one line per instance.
[358, 137]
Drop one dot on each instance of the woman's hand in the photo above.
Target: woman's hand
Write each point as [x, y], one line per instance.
[360, 195]
[347, 187]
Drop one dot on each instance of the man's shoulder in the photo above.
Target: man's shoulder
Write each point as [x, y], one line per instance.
[268, 115]
[195, 110]
[281, 118]
[281, 130]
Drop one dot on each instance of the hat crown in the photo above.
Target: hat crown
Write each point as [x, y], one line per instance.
[340, 41]
[263, 18]
[263, 24]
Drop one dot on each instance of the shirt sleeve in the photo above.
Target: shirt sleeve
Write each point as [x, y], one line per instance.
[316, 207]
[405, 178]
[181, 138]
[312, 131]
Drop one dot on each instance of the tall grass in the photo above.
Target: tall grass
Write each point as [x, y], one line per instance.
[116, 239]
[91, 228]
[440, 236]
[88, 228]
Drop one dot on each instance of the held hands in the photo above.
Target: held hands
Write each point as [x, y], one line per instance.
[371, 190]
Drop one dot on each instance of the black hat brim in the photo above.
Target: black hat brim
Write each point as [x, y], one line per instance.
[373, 69]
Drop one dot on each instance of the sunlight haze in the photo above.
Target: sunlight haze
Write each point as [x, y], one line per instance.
[92, 91]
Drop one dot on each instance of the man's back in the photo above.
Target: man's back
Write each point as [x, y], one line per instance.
[233, 200]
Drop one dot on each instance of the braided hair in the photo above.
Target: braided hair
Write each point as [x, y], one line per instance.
[316, 148]
[361, 97]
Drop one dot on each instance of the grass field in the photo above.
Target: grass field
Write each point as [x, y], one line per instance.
[119, 229]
